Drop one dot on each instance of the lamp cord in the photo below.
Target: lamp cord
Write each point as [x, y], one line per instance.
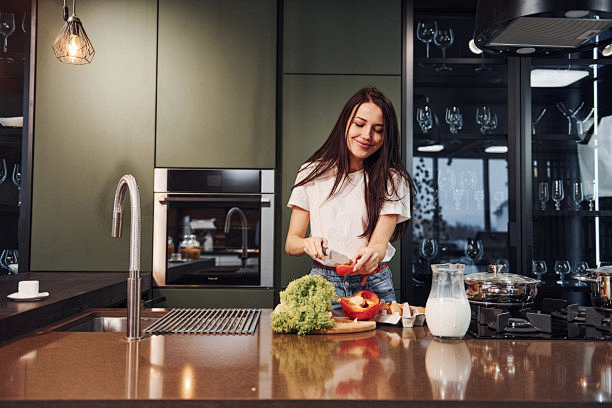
[65, 11]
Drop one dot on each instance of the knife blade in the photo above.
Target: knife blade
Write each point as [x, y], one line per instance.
[335, 257]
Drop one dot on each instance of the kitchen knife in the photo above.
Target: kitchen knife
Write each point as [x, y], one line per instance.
[334, 257]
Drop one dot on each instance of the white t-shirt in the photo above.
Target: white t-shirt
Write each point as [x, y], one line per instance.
[343, 218]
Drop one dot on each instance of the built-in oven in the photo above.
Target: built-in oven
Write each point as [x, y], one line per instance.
[213, 227]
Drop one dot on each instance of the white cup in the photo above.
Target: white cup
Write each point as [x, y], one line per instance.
[28, 288]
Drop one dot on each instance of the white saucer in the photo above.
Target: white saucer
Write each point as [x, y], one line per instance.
[27, 298]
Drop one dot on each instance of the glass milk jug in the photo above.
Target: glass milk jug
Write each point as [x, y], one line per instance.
[447, 311]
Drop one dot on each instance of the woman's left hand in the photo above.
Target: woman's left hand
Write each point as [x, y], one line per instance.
[366, 261]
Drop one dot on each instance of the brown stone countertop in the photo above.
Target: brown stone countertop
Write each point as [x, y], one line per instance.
[69, 293]
[387, 367]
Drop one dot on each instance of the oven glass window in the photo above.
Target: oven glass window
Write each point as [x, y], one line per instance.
[201, 252]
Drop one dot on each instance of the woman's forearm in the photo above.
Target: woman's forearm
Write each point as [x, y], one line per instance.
[294, 245]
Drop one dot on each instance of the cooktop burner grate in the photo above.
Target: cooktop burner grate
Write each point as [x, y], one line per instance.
[207, 321]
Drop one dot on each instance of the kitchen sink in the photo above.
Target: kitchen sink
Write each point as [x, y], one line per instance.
[105, 321]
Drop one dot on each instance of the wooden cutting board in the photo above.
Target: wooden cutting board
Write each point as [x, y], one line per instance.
[346, 325]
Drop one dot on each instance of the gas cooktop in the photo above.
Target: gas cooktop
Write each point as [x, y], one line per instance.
[554, 320]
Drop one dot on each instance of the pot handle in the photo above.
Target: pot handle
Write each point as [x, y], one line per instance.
[586, 279]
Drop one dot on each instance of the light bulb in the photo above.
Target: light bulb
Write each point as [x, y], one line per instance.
[74, 45]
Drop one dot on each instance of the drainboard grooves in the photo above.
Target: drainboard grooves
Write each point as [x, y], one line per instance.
[207, 321]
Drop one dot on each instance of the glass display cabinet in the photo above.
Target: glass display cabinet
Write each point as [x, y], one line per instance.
[510, 157]
[460, 166]
[571, 143]
[15, 37]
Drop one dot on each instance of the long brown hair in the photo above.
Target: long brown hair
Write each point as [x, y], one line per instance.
[379, 168]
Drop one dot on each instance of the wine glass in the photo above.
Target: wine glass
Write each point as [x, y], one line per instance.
[454, 119]
[581, 268]
[429, 248]
[543, 194]
[7, 27]
[425, 118]
[444, 38]
[426, 33]
[16, 178]
[483, 116]
[538, 119]
[473, 249]
[538, 267]
[562, 268]
[577, 195]
[3, 171]
[570, 114]
[557, 193]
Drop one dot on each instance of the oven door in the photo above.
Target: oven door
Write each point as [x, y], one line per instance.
[220, 261]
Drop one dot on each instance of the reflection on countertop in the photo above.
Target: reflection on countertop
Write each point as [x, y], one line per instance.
[394, 364]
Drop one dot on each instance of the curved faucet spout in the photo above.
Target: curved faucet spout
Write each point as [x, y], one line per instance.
[228, 218]
[128, 183]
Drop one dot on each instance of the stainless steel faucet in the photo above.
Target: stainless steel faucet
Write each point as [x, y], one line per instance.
[228, 218]
[134, 283]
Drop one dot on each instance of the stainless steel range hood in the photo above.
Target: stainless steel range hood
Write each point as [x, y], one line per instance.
[542, 27]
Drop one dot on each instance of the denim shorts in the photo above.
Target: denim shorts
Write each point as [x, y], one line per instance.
[379, 283]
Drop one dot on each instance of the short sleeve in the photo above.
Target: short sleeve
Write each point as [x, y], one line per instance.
[400, 203]
[299, 195]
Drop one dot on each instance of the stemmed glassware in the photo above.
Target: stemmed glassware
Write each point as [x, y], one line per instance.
[473, 249]
[425, 118]
[570, 114]
[428, 250]
[7, 27]
[581, 269]
[577, 195]
[444, 38]
[454, 119]
[537, 120]
[8, 257]
[557, 193]
[426, 33]
[3, 171]
[543, 194]
[486, 119]
[538, 267]
[16, 178]
[562, 268]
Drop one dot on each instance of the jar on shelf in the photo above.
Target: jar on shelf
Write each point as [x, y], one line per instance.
[189, 247]
[170, 247]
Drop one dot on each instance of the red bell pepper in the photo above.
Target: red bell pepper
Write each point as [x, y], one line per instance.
[362, 306]
[344, 269]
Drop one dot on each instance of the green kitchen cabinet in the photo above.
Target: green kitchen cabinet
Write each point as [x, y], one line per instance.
[342, 37]
[216, 84]
[207, 297]
[93, 124]
[311, 106]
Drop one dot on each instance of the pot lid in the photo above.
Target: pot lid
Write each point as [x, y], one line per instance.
[498, 278]
[602, 270]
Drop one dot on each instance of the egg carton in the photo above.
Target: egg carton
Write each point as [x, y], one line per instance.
[407, 319]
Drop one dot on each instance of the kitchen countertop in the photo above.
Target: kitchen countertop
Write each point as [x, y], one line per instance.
[390, 366]
[69, 293]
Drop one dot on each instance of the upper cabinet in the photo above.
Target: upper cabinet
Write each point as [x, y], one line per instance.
[342, 37]
[330, 50]
[216, 85]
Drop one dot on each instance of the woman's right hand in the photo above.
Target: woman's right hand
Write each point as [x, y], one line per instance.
[313, 246]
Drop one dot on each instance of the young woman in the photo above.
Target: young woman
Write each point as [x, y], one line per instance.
[355, 193]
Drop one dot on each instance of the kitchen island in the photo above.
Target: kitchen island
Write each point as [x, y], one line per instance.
[389, 366]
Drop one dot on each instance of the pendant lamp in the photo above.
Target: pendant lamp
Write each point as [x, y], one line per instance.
[72, 45]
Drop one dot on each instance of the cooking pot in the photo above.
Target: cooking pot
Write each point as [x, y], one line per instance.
[601, 286]
[498, 287]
